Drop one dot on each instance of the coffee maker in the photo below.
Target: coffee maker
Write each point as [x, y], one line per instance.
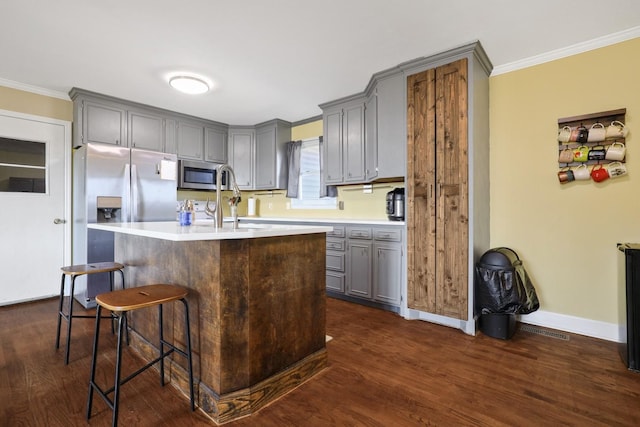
[395, 204]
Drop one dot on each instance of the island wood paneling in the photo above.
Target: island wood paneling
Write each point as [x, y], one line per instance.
[258, 314]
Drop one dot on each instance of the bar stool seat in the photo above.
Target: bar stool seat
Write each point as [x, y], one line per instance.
[75, 271]
[120, 302]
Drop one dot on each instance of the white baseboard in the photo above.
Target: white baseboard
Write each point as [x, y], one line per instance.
[576, 325]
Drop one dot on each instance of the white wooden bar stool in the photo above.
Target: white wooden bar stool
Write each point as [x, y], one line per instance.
[74, 271]
[120, 302]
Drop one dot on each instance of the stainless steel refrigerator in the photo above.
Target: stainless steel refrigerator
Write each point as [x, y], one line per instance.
[116, 184]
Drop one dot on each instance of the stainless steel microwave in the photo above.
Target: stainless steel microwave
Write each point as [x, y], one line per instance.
[195, 175]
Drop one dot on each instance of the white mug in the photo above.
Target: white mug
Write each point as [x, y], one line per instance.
[616, 169]
[597, 133]
[582, 173]
[616, 151]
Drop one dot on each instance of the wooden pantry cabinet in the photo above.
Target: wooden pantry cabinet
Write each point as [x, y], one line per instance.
[447, 182]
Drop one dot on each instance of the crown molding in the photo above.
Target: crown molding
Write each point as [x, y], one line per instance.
[33, 89]
[575, 49]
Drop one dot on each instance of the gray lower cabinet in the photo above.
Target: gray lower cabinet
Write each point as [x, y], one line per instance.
[336, 256]
[146, 131]
[374, 264]
[359, 269]
[387, 272]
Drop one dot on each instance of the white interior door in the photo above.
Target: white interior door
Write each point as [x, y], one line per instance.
[35, 211]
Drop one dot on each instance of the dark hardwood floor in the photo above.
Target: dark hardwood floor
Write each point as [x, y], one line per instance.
[383, 371]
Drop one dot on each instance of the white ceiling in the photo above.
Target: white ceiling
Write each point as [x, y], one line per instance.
[276, 58]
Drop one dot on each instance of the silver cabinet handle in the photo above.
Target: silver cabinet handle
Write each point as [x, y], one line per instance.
[59, 221]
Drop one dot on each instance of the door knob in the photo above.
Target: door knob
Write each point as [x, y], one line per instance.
[59, 221]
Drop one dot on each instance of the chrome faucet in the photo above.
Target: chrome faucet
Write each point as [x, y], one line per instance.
[216, 211]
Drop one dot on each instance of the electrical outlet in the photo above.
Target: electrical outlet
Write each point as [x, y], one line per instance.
[288, 205]
[341, 205]
[270, 206]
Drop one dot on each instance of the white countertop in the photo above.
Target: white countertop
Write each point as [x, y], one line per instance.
[205, 230]
[248, 219]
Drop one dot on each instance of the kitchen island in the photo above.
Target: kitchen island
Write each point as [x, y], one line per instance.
[256, 300]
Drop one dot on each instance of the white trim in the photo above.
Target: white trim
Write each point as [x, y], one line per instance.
[575, 49]
[576, 325]
[34, 89]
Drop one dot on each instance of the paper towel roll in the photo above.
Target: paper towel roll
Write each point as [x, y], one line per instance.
[251, 206]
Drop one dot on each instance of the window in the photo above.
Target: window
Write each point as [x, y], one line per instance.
[22, 166]
[309, 184]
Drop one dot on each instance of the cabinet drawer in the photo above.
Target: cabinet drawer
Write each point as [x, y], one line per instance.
[338, 231]
[335, 282]
[335, 261]
[335, 244]
[388, 234]
[360, 233]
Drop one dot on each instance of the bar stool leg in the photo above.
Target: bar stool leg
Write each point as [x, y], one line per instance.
[160, 329]
[189, 358]
[116, 392]
[94, 359]
[62, 280]
[70, 314]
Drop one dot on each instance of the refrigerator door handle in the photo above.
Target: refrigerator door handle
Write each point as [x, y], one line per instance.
[126, 194]
[134, 193]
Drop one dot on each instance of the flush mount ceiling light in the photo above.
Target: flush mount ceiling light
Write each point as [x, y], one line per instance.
[189, 84]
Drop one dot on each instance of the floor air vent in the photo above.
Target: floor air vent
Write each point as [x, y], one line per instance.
[547, 333]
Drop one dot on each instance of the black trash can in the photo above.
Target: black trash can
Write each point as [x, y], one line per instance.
[502, 290]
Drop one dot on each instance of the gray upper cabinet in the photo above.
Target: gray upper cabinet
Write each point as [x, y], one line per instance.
[271, 155]
[102, 122]
[241, 152]
[343, 145]
[215, 144]
[332, 146]
[371, 137]
[190, 141]
[391, 138]
[171, 136]
[365, 134]
[146, 131]
[353, 143]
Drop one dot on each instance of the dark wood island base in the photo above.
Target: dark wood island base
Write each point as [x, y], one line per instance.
[257, 308]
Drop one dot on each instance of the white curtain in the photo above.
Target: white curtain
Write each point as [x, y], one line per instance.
[293, 157]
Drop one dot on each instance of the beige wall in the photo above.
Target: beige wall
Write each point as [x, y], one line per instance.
[565, 234]
[38, 105]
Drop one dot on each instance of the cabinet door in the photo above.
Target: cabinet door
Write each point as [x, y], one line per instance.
[392, 127]
[437, 175]
[145, 131]
[171, 136]
[452, 212]
[241, 156]
[387, 274]
[353, 143]
[359, 269]
[265, 176]
[371, 137]
[332, 147]
[215, 148]
[190, 141]
[103, 123]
